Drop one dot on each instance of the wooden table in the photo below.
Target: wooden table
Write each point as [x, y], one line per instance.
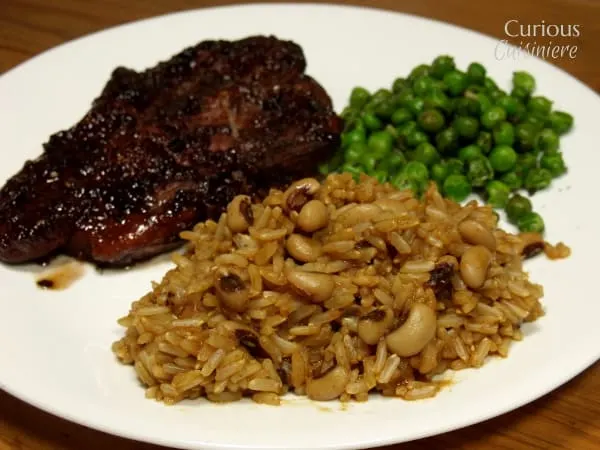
[567, 418]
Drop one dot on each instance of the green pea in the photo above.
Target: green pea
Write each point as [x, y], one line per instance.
[400, 84]
[560, 121]
[426, 153]
[419, 71]
[512, 180]
[455, 166]
[459, 109]
[489, 84]
[416, 105]
[517, 206]
[547, 141]
[355, 151]
[466, 106]
[531, 222]
[519, 114]
[525, 134]
[403, 182]
[359, 97]
[537, 179]
[456, 187]
[396, 97]
[474, 89]
[437, 99]
[492, 117]
[358, 123]
[467, 127]
[393, 162]
[526, 162]
[438, 85]
[484, 101]
[417, 171]
[520, 93]
[406, 128]
[497, 193]
[416, 138]
[441, 66]
[535, 120]
[422, 85]
[469, 153]
[496, 95]
[523, 80]
[356, 135]
[431, 120]
[380, 175]
[371, 121]
[401, 115]
[352, 123]
[369, 108]
[380, 95]
[479, 171]
[405, 98]
[368, 162]
[539, 105]
[504, 134]
[354, 169]
[476, 73]
[503, 158]
[380, 143]
[554, 163]
[446, 140]
[386, 107]
[439, 172]
[509, 104]
[484, 141]
[456, 82]
[349, 113]
[392, 130]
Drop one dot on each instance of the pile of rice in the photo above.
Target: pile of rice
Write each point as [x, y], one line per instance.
[332, 290]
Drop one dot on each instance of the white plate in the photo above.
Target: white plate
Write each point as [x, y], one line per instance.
[55, 349]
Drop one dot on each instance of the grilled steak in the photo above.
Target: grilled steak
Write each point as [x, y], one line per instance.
[165, 148]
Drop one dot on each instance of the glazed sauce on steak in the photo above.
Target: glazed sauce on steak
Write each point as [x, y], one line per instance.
[163, 149]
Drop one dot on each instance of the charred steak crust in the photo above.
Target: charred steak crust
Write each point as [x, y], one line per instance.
[165, 148]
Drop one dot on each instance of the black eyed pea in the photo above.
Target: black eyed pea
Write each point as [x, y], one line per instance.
[239, 214]
[249, 339]
[302, 248]
[533, 244]
[316, 286]
[313, 216]
[232, 291]
[414, 334]
[474, 265]
[300, 192]
[328, 387]
[475, 233]
[374, 325]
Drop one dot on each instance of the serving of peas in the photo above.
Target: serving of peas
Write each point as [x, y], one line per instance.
[460, 130]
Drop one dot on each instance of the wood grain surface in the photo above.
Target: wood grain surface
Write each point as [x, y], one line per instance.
[568, 418]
